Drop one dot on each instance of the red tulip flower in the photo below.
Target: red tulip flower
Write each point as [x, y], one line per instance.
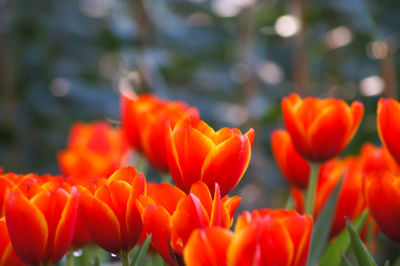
[350, 203]
[295, 168]
[110, 214]
[389, 125]
[196, 152]
[94, 150]
[41, 227]
[270, 237]
[320, 129]
[170, 215]
[382, 193]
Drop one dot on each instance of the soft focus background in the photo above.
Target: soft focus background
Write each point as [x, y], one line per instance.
[63, 61]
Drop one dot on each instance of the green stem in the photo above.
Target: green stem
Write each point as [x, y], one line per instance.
[312, 185]
[125, 258]
[69, 259]
[289, 203]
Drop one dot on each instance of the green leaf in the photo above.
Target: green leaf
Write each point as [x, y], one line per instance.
[140, 257]
[387, 263]
[332, 255]
[322, 226]
[344, 261]
[362, 254]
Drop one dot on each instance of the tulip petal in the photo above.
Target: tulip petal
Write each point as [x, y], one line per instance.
[192, 148]
[156, 221]
[29, 242]
[189, 215]
[263, 242]
[329, 133]
[207, 246]
[66, 227]
[201, 191]
[166, 195]
[389, 125]
[227, 164]
[107, 233]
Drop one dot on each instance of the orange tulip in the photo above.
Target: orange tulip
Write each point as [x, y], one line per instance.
[7, 253]
[110, 214]
[382, 194]
[295, 168]
[320, 129]
[94, 150]
[196, 152]
[50, 215]
[389, 125]
[131, 107]
[207, 246]
[270, 237]
[171, 216]
[350, 200]
[145, 121]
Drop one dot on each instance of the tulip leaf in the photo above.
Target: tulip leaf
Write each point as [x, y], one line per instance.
[387, 263]
[322, 226]
[363, 256]
[341, 244]
[140, 257]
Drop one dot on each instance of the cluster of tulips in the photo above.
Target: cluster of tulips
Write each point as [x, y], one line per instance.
[100, 201]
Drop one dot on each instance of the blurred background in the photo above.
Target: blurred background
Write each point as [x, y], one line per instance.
[65, 61]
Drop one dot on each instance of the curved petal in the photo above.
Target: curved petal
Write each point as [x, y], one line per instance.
[265, 241]
[294, 126]
[107, 233]
[29, 242]
[207, 247]
[201, 191]
[166, 195]
[156, 221]
[123, 174]
[133, 222]
[328, 134]
[66, 227]
[389, 125]
[294, 168]
[173, 159]
[189, 215]
[192, 148]
[227, 164]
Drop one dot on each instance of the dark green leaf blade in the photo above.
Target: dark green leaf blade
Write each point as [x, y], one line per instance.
[332, 255]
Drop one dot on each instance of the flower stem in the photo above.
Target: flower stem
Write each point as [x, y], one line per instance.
[125, 258]
[69, 259]
[312, 185]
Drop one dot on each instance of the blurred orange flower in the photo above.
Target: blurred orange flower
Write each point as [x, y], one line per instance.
[295, 168]
[382, 194]
[376, 159]
[320, 129]
[110, 214]
[389, 125]
[170, 215]
[196, 152]
[50, 214]
[144, 122]
[94, 150]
